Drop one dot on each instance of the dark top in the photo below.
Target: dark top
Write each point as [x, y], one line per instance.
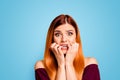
[91, 72]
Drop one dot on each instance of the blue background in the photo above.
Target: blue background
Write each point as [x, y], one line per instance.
[24, 25]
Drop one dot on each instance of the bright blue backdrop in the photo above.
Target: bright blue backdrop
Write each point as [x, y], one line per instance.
[24, 24]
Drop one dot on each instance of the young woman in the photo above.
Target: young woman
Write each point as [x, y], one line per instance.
[63, 56]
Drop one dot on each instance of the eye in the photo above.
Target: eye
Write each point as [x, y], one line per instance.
[57, 34]
[70, 33]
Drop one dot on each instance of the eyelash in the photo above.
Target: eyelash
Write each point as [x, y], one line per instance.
[70, 33]
[58, 34]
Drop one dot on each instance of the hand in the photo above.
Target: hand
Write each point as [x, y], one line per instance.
[56, 49]
[71, 53]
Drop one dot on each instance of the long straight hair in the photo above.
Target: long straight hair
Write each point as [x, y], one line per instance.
[50, 61]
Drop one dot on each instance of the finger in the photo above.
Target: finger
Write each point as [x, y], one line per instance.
[76, 45]
[69, 46]
[52, 45]
[59, 50]
[55, 48]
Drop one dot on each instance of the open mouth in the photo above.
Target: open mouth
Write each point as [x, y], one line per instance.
[64, 47]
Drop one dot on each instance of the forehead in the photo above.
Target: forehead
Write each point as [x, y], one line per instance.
[65, 27]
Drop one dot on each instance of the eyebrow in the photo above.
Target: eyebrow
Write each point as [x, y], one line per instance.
[69, 30]
[57, 31]
[60, 31]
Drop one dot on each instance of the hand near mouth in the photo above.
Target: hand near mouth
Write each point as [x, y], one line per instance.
[56, 49]
[68, 58]
[71, 53]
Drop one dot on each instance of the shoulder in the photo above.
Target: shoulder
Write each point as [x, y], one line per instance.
[90, 60]
[39, 64]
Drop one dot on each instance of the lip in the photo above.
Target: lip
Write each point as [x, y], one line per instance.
[64, 46]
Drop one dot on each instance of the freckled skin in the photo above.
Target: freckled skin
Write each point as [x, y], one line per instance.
[64, 34]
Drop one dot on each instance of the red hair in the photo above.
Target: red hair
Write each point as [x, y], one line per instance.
[50, 61]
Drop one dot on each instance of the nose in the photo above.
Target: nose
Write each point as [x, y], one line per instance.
[64, 38]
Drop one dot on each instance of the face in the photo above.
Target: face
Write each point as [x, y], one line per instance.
[64, 35]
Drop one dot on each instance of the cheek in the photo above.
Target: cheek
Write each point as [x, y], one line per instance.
[56, 40]
[72, 40]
